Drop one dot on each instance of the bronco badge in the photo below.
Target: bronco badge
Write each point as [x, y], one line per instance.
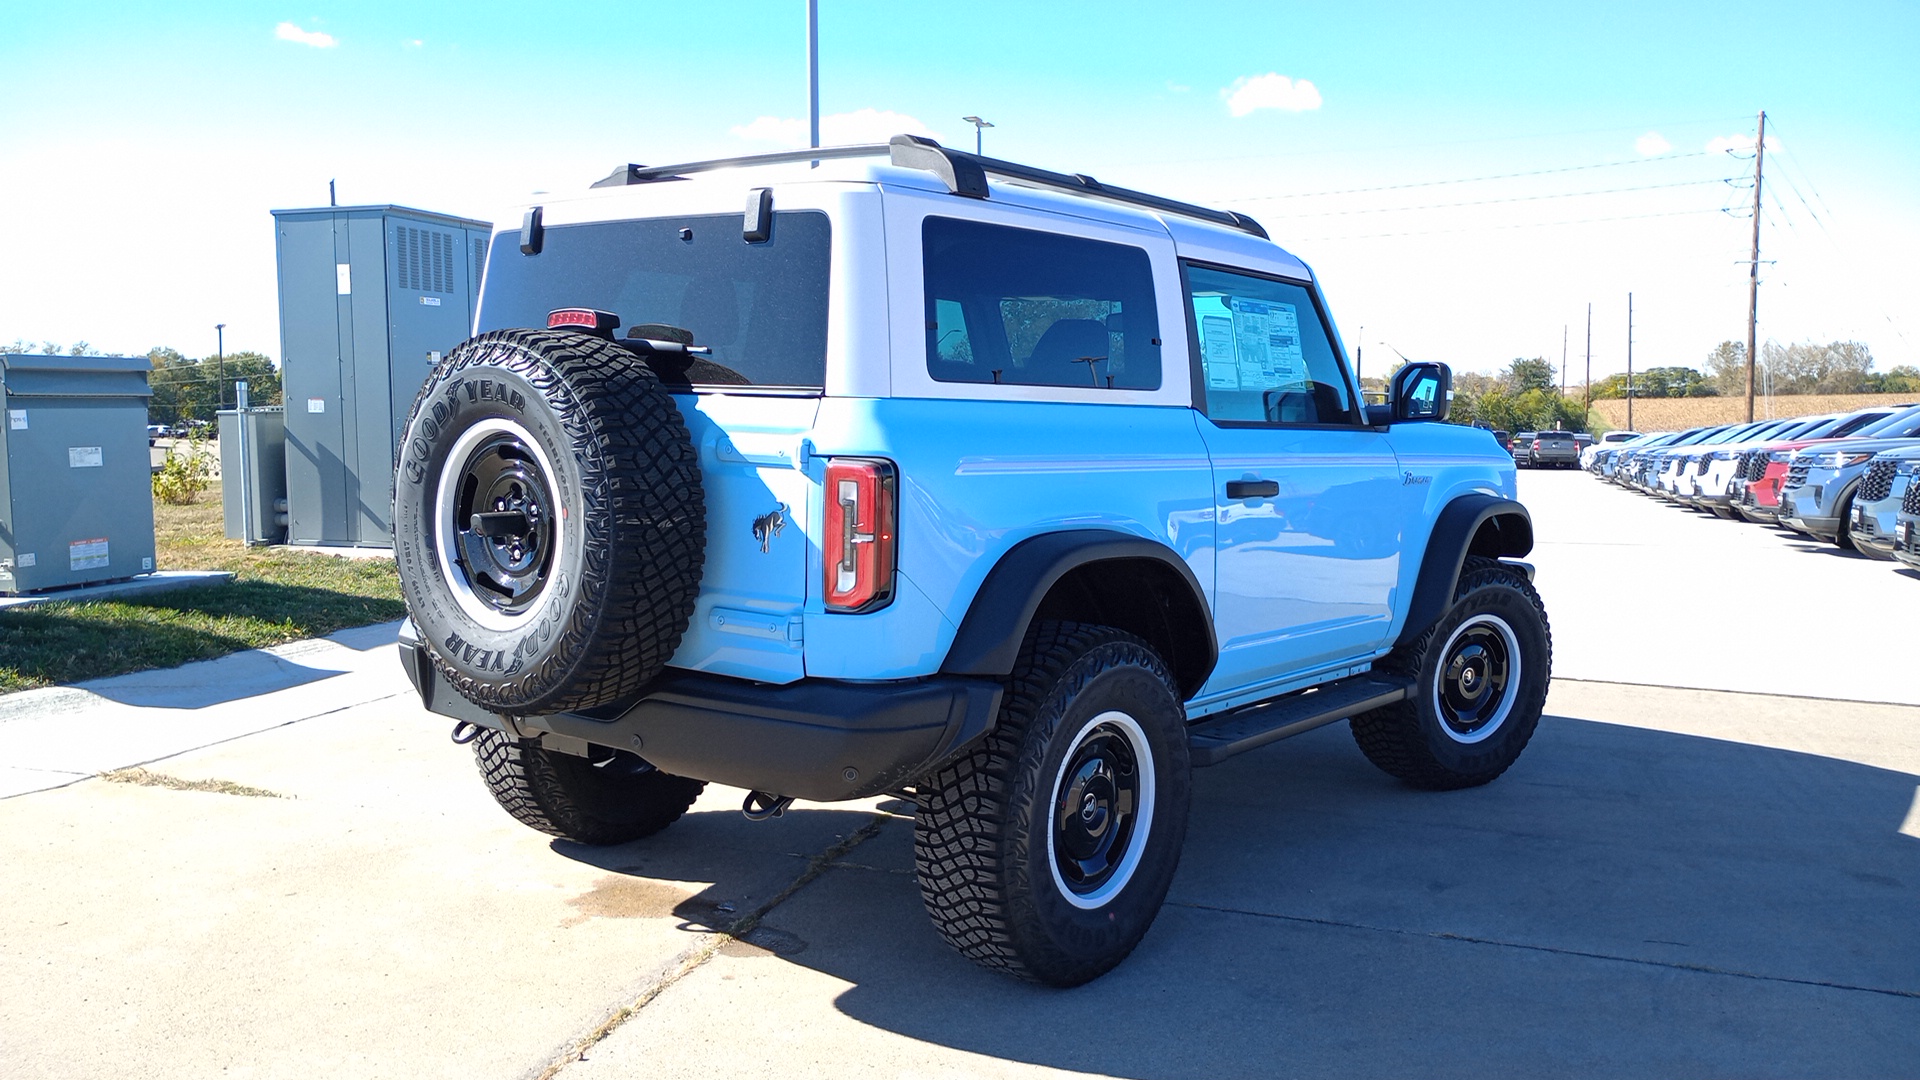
[768, 525]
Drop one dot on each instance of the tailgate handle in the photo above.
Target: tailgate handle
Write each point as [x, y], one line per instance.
[1252, 489]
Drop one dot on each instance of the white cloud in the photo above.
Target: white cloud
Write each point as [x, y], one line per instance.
[1738, 144]
[1651, 144]
[287, 31]
[838, 129]
[1270, 91]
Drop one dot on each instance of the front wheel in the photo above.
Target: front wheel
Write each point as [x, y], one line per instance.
[1480, 682]
[1047, 851]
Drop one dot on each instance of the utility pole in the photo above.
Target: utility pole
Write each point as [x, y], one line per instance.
[1753, 268]
[1630, 426]
[1586, 397]
[220, 360]
[813, 74]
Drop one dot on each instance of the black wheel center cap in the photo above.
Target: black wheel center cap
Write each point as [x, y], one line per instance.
[506, 527]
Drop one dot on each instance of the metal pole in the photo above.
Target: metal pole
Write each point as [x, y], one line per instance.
[1630, 426]
[1753, 268]
[220, 361]
[813, 73]
[1586, 397]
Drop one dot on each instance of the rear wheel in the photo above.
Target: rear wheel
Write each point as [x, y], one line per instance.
[610, 797]
[1480, 681]
[1047, 851]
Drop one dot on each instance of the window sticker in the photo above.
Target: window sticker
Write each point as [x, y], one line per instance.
[1216, 350]
[1268, 339]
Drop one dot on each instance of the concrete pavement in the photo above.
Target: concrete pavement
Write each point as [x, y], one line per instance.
[1672, 881]
[1645, 592]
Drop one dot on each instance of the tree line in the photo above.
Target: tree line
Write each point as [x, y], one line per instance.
[1838, 367]
[185, 388]
[1525, 395]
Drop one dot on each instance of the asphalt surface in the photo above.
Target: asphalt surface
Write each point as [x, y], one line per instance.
[1672, 881]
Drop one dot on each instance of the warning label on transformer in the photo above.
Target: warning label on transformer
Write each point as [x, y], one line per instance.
[87, 554]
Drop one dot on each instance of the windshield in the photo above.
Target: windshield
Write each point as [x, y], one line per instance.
[761, 307]
[1900, 425]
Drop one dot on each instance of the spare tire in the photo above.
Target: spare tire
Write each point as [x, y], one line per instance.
[548, 521]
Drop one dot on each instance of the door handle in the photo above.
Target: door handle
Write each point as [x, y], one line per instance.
[1252, 489]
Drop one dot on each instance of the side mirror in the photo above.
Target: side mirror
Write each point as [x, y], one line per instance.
[1421, 391]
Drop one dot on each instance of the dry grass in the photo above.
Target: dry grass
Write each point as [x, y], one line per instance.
[1672, 414]
[162, 780]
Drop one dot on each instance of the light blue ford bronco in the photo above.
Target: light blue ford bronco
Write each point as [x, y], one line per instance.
[898, 470]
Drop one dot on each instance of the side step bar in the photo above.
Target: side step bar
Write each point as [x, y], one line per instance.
[1218, 738]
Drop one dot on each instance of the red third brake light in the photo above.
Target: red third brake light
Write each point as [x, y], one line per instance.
[602, 323]
[858, 544]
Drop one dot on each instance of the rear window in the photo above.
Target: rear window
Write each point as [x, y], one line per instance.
[761, 308]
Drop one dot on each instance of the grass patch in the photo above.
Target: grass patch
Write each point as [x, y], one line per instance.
[276, 596]
[175, 783]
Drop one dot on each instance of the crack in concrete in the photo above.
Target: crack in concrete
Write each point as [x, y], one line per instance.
[707, 946]
[1440, 935]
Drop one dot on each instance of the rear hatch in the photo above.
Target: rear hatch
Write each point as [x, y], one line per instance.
[761, 308]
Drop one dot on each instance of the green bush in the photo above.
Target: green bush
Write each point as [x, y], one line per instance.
[182, 477]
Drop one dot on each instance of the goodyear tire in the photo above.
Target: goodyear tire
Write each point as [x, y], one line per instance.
[1480, 681]
[548, 522]
[610, 797]
[1047, 851]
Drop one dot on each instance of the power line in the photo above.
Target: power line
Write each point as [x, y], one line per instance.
[1361, 147]
[1516, 225]
[1475, 179]
[1509, 199]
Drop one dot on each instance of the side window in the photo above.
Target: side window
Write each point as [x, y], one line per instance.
[1030, 308]
[1263, 353]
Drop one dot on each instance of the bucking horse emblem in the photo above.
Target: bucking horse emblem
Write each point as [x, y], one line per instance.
[768, 525]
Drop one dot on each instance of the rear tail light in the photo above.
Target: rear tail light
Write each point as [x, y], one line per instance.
[859, 544]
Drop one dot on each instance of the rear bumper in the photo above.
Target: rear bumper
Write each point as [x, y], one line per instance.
[815, 739]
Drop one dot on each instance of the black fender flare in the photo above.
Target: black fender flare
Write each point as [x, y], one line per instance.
[1457, 533]
[996, 622]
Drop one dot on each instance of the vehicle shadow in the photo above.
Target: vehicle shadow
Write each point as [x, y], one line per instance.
[1625, 902]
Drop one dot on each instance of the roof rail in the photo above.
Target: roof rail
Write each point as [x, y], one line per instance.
[964, 174]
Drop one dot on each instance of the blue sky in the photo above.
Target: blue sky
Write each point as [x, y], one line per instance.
[142, 146]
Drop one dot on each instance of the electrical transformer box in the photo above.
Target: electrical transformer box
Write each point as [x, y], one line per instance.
[370, 298]
[76, 477]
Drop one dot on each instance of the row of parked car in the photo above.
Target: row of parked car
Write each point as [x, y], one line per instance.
[1852, 479]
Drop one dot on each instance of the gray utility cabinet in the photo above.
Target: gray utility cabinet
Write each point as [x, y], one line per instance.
[76, 476]
[370, 298]
[265, 473]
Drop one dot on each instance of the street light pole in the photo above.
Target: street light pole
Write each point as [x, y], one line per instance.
[813, 75]
[978, 126]
[220, 361]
